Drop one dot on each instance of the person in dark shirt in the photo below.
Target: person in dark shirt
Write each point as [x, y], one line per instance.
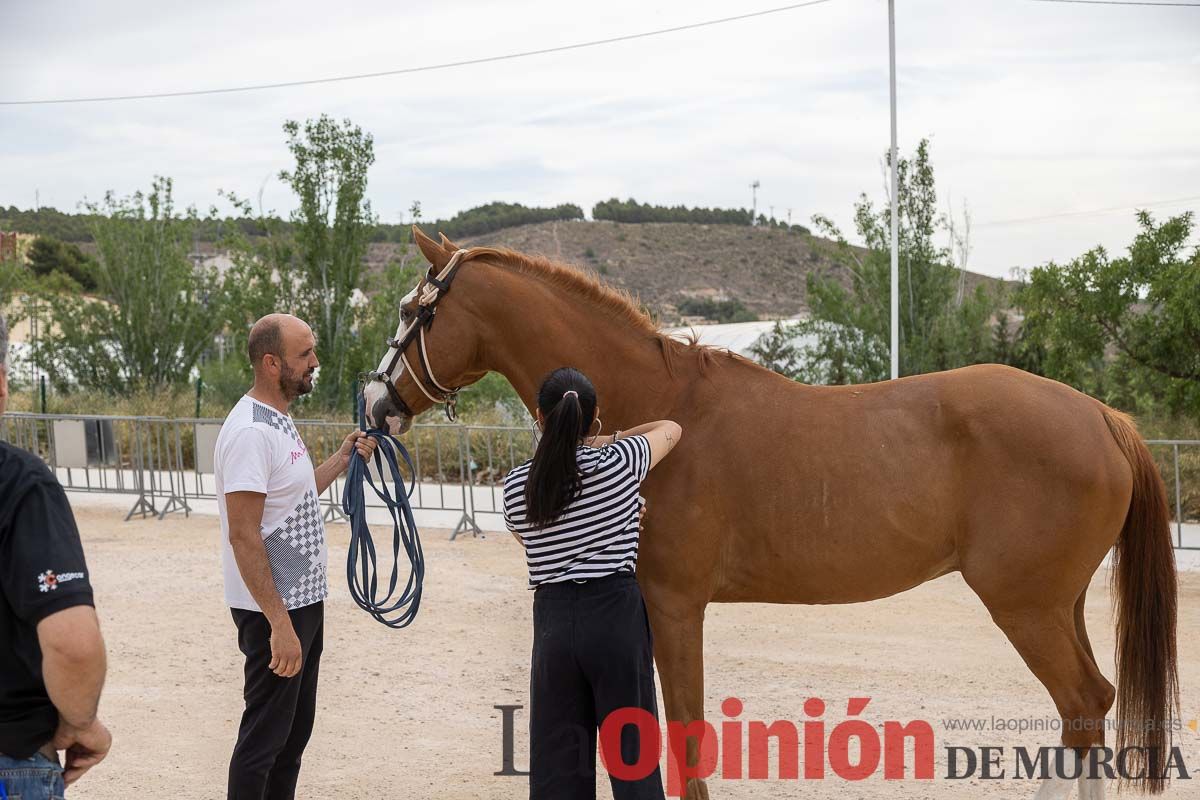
[52, 660]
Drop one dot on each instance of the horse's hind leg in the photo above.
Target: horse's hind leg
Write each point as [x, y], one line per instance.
[1091, 788]
[1049, 641]
[1081, 625]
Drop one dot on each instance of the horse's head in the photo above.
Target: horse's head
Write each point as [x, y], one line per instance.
[426, 363]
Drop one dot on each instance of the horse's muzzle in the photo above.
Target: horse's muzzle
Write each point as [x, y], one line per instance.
[384, 414]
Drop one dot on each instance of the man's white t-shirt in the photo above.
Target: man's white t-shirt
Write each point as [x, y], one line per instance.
[259, 450]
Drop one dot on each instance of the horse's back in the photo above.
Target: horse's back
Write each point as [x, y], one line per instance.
[850, 493]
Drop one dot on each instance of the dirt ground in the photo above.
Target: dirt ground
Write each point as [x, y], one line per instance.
[410, 713]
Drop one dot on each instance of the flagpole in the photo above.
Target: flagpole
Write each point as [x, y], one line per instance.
[895, 293]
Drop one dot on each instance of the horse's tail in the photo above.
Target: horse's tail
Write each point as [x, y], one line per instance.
[1144, 585]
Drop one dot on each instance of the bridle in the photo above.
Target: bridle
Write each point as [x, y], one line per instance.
[435, 288]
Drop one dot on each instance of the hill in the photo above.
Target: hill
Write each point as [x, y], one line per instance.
[666, 263]
[677, 269]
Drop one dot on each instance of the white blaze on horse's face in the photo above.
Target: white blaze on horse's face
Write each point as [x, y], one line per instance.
[376, 392]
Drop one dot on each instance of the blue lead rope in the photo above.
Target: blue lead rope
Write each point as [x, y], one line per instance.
[362, 572]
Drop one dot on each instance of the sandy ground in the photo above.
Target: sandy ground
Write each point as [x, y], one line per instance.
[410, 714]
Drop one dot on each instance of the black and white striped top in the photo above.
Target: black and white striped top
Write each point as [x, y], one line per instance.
[597, 533]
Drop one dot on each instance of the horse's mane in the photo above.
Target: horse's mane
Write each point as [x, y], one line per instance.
[620, 302]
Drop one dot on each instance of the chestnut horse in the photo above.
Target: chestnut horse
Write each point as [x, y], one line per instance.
[786, 493]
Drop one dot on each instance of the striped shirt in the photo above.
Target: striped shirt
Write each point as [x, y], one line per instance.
[597, 533]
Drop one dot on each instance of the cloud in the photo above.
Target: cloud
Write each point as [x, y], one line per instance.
[1033, 109]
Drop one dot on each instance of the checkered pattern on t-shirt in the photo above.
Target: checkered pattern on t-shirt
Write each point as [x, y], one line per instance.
[294, 553]
[276, 420]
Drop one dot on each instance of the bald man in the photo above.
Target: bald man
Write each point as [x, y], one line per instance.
[274, 555]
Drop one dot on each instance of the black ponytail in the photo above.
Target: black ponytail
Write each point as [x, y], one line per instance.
[568, 403]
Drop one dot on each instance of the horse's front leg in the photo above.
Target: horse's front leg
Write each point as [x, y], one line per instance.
[678, 629]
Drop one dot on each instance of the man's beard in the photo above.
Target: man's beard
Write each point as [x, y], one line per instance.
[292, 385]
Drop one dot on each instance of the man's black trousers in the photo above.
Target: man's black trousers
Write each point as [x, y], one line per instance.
[592, 655]
[279, 711]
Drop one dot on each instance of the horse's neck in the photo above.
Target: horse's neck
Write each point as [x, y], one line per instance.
[533, 327]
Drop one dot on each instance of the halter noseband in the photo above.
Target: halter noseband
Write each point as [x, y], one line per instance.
[434, 289]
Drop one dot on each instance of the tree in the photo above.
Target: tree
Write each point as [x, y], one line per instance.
[258, 283]
[48, 255]
[46, 221]
[14, 278]
[1013, 344]
[1126, 329]
[313, 266]
[632, 211]
[155, 311]
[495, 216]
[381, 315]
[723, 311]
[940, 328]
[263, 278]
[332, 227]
[776, 350]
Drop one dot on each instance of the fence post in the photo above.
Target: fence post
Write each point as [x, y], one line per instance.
[174, 469]
[199, 392]
[43, 382]
[467, 475]
[144, 505]
[1178, 501]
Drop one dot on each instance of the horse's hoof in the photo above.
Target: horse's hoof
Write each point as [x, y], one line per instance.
[697, 790]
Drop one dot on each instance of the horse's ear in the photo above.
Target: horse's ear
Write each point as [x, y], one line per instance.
[434, 253]
[450, 246]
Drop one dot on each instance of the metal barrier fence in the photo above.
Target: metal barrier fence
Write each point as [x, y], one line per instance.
[164, 464]
[1172, 473]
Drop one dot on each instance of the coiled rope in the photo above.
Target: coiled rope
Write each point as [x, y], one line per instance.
[362, 571]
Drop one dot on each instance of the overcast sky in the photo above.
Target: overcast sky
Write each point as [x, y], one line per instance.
[1033, 109]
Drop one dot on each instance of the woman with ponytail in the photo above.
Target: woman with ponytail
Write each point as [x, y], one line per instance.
[576, 509]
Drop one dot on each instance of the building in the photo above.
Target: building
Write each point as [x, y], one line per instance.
[15, 245]
[736, 336]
